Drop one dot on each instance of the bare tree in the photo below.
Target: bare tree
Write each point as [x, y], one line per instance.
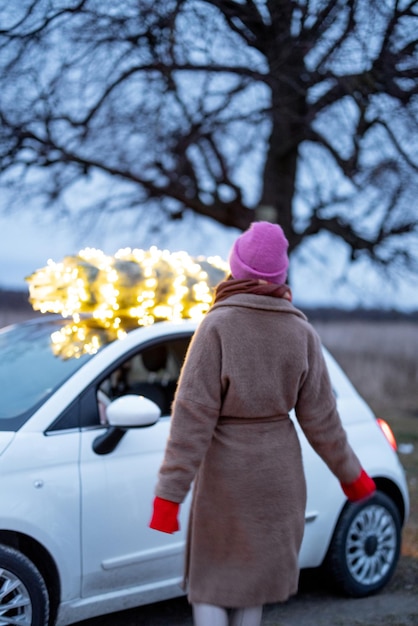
[302, 112]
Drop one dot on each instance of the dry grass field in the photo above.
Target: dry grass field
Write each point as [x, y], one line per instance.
[380, 355]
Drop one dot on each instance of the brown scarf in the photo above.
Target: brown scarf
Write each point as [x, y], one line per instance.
[231, 287]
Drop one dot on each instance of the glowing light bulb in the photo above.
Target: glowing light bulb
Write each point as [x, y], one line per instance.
[134, 287]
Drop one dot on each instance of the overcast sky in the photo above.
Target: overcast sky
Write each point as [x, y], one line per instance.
[26, 244]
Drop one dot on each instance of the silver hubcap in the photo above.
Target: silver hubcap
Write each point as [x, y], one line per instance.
[371, 545]
[15, 604]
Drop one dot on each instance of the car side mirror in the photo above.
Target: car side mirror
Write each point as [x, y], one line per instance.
[132, 411]
[126, 412]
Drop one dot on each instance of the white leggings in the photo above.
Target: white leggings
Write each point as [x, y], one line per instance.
[210, 615]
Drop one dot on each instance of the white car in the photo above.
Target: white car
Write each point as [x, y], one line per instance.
[80, 447]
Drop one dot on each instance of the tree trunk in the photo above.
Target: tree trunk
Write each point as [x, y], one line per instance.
[288, 101]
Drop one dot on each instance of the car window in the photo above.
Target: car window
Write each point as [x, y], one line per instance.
[153, 372]
[30, 370]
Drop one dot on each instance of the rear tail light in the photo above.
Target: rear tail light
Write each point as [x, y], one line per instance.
[388, 433]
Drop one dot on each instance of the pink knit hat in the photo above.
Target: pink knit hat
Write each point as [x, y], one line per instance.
[260, 253]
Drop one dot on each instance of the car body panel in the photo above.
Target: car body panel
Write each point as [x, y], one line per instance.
[6, 437]
[40, 498]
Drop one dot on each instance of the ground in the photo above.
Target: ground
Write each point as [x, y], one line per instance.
[397, 605]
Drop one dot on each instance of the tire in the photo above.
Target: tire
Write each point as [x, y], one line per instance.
[365, 547]
[23, 594]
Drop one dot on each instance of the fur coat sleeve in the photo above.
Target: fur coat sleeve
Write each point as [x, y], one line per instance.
[317, 414]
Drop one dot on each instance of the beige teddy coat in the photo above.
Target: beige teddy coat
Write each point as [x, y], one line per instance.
[252, 360]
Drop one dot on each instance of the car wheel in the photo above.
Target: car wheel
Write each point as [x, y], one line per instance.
[23, 594]
[365, 547]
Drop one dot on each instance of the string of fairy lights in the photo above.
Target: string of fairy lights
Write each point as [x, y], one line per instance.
[104, 296]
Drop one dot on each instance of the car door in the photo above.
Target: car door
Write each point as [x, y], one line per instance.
[119, 551]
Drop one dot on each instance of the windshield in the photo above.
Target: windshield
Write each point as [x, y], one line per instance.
[31, 369]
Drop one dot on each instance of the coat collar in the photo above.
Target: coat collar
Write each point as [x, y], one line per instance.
[256, 302]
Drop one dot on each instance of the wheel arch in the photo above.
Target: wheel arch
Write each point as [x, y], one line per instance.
[42, 559]
[390, 489]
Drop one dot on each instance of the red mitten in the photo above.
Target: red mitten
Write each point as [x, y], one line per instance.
[362, 487]
[164, 516]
